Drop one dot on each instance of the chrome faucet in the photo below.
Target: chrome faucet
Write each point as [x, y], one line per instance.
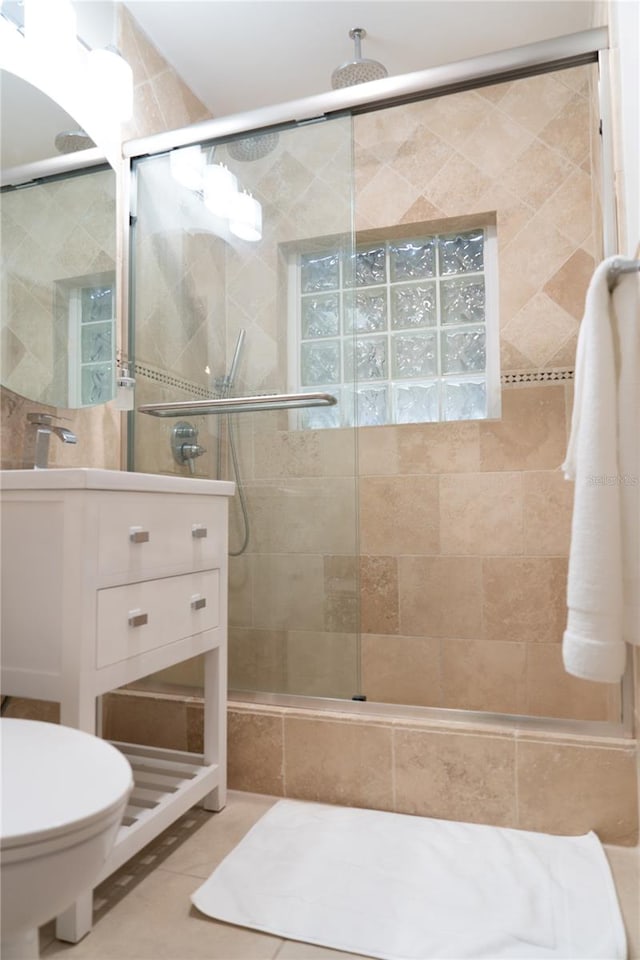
[36, 448]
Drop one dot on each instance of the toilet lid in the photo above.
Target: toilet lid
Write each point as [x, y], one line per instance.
[56, 779]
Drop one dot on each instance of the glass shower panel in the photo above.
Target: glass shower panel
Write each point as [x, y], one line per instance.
[215, 315]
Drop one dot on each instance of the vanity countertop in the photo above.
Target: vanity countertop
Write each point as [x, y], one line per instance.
[90, 478]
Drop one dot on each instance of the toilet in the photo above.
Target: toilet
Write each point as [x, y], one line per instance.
[64, 793]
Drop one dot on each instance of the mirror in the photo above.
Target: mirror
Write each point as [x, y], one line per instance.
[32, 123]
[57, 240]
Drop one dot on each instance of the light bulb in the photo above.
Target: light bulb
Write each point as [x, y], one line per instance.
[245, 219]
[187, 167]
[220, 189]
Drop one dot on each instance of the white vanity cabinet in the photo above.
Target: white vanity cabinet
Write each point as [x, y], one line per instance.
[108, 576]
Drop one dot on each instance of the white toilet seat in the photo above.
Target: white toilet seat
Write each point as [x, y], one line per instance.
[56, 781]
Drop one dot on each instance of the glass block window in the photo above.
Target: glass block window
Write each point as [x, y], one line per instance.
[92, 343]
[401, 331]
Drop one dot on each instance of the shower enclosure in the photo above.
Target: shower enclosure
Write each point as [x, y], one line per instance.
[423, 260]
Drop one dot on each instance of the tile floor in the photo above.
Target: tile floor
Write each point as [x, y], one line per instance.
[144, 911]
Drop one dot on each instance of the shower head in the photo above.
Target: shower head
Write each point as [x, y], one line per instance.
[253, 148]
[68, 141]
[358, 70]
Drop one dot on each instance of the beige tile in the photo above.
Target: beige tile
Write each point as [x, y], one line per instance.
[440, 596]
[531, 434]
[338, 762]
[625, 867]
[511, 358]
[540, 329]
[481, 512]
[457, 187]
[292, 453]
[552, 692]
[568, 132]
[386, 197]
[420, 159]
[524, 599]
[377, 451]
[496, 142]
[398, 515]
[156, 919]
[341, 594]
[421, 210]
[569, 789]
[571, 207]
[297, 515]
[257, 659]
[154, 721]
[484, 675]
[534, 101]
[455, 776]
[536, 253]
[454, 118]
[240, 587]
[322, 664]
[379, 595]
[438, 447]
[566, 355]
[201, 853]
[515, 287]
[401, 670]
[512, 213]
[289, 591]
[255, 752]
[548, 504]
[568, 286]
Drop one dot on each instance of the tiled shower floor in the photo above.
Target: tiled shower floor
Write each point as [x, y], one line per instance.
[144, 911]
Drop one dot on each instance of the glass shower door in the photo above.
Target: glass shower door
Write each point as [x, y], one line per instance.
[238, 251]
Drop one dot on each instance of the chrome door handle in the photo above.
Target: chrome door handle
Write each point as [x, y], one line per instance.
[197, 603]
[198, 531]
[137, 618]
[138, 535]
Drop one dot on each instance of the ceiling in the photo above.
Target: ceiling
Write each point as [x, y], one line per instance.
[238, 55]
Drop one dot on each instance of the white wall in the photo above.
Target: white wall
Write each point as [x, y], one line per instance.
[624, 24]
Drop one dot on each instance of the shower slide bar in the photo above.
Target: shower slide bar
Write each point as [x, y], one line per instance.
[273, 401]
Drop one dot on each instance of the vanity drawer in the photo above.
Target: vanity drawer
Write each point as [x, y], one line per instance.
[145, 535]
[139, 617]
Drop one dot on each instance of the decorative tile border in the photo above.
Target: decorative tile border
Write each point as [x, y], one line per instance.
[169, 380]
[512, 378]
[558, 375]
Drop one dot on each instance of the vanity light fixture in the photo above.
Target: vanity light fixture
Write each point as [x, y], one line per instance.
[245, 220]
[220, 189]
[187, 167]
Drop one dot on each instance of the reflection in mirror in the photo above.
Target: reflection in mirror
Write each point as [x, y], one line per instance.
[32, 124]
[58, 289]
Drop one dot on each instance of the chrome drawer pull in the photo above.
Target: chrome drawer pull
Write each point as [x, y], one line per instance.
[138, 535]
[197, 603]
[198, 531]
[137, 619]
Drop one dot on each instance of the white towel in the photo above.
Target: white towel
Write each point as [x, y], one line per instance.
[603, 459]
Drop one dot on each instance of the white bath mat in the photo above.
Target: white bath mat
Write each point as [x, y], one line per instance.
[410, 888]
